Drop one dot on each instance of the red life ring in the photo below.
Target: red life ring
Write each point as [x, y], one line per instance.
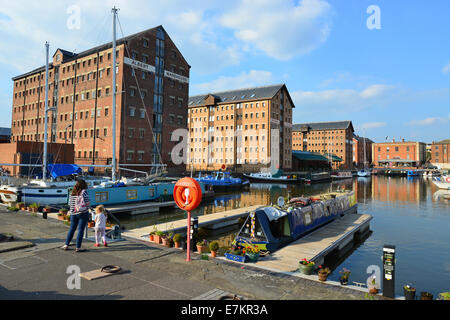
[448, 179]
[195, 194]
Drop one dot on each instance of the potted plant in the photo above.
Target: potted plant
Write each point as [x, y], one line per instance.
[177, 238]
[152, 236]
[252, 252]
[306, 266]
[372, 285]
[21, 205]
[91, 224]
[61, 216]
[47, 209]
[157, 236]
[410, 292]
[323, 273]
[201, 246]
[63, 211]
[214, 247]
[344, 275]
[236, 253]
[426, 296]
[34, 207]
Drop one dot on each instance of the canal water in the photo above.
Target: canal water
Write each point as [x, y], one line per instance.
[410, 213]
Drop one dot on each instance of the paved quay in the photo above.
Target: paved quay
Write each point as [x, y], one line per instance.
[149, 272]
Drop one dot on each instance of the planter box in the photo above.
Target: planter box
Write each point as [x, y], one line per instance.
[236, 258]
[307, 270]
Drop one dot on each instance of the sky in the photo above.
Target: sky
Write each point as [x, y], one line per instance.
[383, 64]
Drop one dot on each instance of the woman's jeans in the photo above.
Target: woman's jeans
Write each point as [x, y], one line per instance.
[80, 221]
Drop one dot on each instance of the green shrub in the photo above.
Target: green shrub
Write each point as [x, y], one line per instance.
[214, 246]
[34, 205]
[177, 237]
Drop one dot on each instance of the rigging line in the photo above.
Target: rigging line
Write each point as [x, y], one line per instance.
[140, 95]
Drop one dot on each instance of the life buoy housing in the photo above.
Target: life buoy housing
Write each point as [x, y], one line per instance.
[187, 194]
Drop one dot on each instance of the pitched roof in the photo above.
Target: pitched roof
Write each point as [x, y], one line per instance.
[336, 125]
[240, 95]
[5, 131]
[446, 141]
[70, 56]
[308, 156]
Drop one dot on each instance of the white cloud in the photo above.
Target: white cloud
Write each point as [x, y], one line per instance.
[252, 78]
[446, 69]
[375, 91]
[280, 28]
[372, 125]
[431, 121]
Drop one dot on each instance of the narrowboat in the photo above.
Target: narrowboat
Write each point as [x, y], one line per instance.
[223, 181]
[317, 177]
[128, 193]
[272, 227]
[342, 175]
[279, 177]
[364, 173]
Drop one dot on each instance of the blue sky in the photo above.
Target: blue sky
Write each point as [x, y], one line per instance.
[391, 82]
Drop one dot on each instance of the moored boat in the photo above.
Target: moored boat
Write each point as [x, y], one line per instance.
[442, 182]
[364, 173]
[269, 177]
[222, 181]
[342, 175]
[272, 227]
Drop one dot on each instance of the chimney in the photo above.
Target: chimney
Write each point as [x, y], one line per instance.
[403, 139]
[393, 139]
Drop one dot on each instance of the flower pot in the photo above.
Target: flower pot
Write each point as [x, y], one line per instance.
[323, 276]
[61, 218]
[35, 210]
[409, 294]
[157, 239]
[304, 269]
[426, 296]
[373, 290]
[200, 249]
[252, 257]
[91, 224]
[177, 245]
[343, 282]
[152, 237]
[213, 254]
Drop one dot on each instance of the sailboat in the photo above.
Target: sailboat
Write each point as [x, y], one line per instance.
[364, 172]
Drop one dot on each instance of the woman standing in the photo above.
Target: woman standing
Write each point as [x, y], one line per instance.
[79, 213]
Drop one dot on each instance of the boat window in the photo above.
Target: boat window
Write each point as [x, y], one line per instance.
[101, 197]
[152, 192]
[280, 228]
[59, 191]
[132, 194]
[41, 191]
[327, 211]
[246, 231]
[307, 218]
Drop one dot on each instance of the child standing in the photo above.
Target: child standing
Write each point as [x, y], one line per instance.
[100, 225]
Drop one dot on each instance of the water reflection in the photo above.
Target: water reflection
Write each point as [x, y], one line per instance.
[412, 214]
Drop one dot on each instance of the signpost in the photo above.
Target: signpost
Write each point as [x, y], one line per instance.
[188, 195]
[389, 271]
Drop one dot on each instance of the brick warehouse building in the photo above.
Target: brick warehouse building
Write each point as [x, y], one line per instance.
[358, 151]
[440, 154]
[80, 90]
[236, 128]
[399, 154]
[324, 138]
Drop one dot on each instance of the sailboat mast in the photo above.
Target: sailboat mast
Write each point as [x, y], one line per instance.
[44, 171]
[114, 165]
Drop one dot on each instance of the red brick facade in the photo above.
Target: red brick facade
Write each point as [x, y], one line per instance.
[84, 104]
[399, 154]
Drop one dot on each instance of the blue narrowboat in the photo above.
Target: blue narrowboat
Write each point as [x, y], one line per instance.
[124, 194]
[270, 228]
[413, 173]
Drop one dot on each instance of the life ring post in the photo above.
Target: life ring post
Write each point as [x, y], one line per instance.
[187, 194]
